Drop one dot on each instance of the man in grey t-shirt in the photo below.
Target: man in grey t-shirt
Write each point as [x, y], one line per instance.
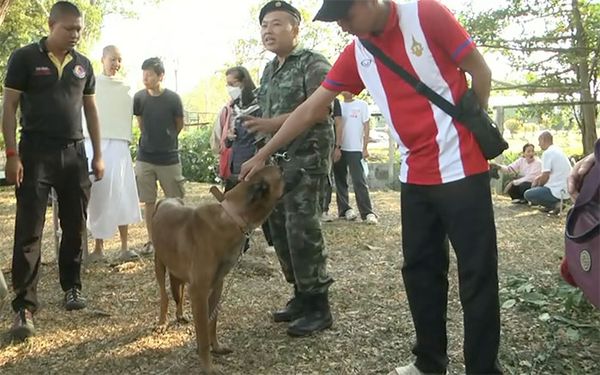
[159, 113]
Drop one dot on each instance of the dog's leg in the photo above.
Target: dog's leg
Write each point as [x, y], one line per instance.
[213, 310]
[160, 271]
[177, 289]
[199, 300]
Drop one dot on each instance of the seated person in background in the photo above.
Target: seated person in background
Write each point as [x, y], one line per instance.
[550, 187]
[526, 169]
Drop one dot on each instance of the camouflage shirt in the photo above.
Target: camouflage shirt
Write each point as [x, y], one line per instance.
[283, 88]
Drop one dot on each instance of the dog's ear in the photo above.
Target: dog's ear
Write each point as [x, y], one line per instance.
[258, 190]
[217, 193]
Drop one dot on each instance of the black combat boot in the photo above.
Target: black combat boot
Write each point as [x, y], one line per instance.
[316, 316]
[292, 310]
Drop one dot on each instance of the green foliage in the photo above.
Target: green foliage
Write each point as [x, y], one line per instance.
[513, 125]
[560, 309]
[209, 95]
[197, 160]
[27, 21]
[554, 45]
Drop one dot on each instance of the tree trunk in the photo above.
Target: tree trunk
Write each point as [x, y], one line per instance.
[588, 111]
[4, 4]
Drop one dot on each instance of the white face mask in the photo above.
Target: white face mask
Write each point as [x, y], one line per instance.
[234, 92]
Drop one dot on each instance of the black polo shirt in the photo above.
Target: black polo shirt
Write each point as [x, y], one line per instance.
[51, 98]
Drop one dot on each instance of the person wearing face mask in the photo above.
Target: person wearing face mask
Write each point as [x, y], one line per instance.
[240, 142]
[117, 188]
[243, 103]
[445, 188]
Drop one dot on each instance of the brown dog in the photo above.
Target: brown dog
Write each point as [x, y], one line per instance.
[200, 245]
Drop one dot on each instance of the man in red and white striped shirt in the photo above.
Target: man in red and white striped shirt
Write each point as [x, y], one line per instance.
[445, 190]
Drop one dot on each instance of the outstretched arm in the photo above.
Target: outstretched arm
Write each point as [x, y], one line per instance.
[303, 118]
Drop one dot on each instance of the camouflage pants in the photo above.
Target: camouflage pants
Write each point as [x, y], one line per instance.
[296, 231]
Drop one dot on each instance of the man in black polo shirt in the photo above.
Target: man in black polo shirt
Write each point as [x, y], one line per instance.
[51, 82]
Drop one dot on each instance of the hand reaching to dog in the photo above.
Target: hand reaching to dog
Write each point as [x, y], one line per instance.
[580, 169]
[251, 166]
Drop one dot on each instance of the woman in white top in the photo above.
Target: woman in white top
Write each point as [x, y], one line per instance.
[526, 168]
[114, 199]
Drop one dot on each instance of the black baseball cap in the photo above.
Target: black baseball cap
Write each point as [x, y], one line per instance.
[272, 6]
[333, 10]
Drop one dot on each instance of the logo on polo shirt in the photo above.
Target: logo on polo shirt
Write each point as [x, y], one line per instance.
[79, 71]
[42, 71]
[416, 48]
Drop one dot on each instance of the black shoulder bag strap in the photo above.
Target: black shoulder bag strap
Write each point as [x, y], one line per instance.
[419, 86]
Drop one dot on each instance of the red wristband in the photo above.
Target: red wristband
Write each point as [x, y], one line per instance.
[10, 152]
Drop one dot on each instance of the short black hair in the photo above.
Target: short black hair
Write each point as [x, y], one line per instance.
[63, 8]
[242, 75]
[154, 63]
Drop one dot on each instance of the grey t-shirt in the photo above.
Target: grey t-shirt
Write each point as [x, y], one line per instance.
[158, 141]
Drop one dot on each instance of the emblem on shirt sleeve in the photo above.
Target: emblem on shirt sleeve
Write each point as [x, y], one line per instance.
[416, 48]
[79, 71]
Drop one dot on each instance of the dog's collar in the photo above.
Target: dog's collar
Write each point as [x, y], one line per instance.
[241, 223]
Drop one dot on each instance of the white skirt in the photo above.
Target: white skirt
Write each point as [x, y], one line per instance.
[114, 199]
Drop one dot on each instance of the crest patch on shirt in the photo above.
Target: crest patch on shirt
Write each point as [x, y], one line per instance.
[416, 48]
[79, 71]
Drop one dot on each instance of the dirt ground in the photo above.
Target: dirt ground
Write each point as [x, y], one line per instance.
[547, 328]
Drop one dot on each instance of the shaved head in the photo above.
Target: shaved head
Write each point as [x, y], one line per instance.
[546, 136]
[109, 50]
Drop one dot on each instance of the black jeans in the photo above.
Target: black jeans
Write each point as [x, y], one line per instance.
[516, 192]
[351, 160]
[230, 184]
[462, 212]
[65, 168]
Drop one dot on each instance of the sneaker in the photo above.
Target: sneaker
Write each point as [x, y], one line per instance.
[556, 211]
[371, 219]
[74, 300]
[147, 249]
[125, 255]
[350, 215]
[326, 218]
[516, 201]
[22, 327]
[407, 370]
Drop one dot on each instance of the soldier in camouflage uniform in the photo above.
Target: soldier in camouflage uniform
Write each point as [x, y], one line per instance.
[295, 222]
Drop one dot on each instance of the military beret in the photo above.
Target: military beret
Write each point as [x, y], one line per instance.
[272, 6]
